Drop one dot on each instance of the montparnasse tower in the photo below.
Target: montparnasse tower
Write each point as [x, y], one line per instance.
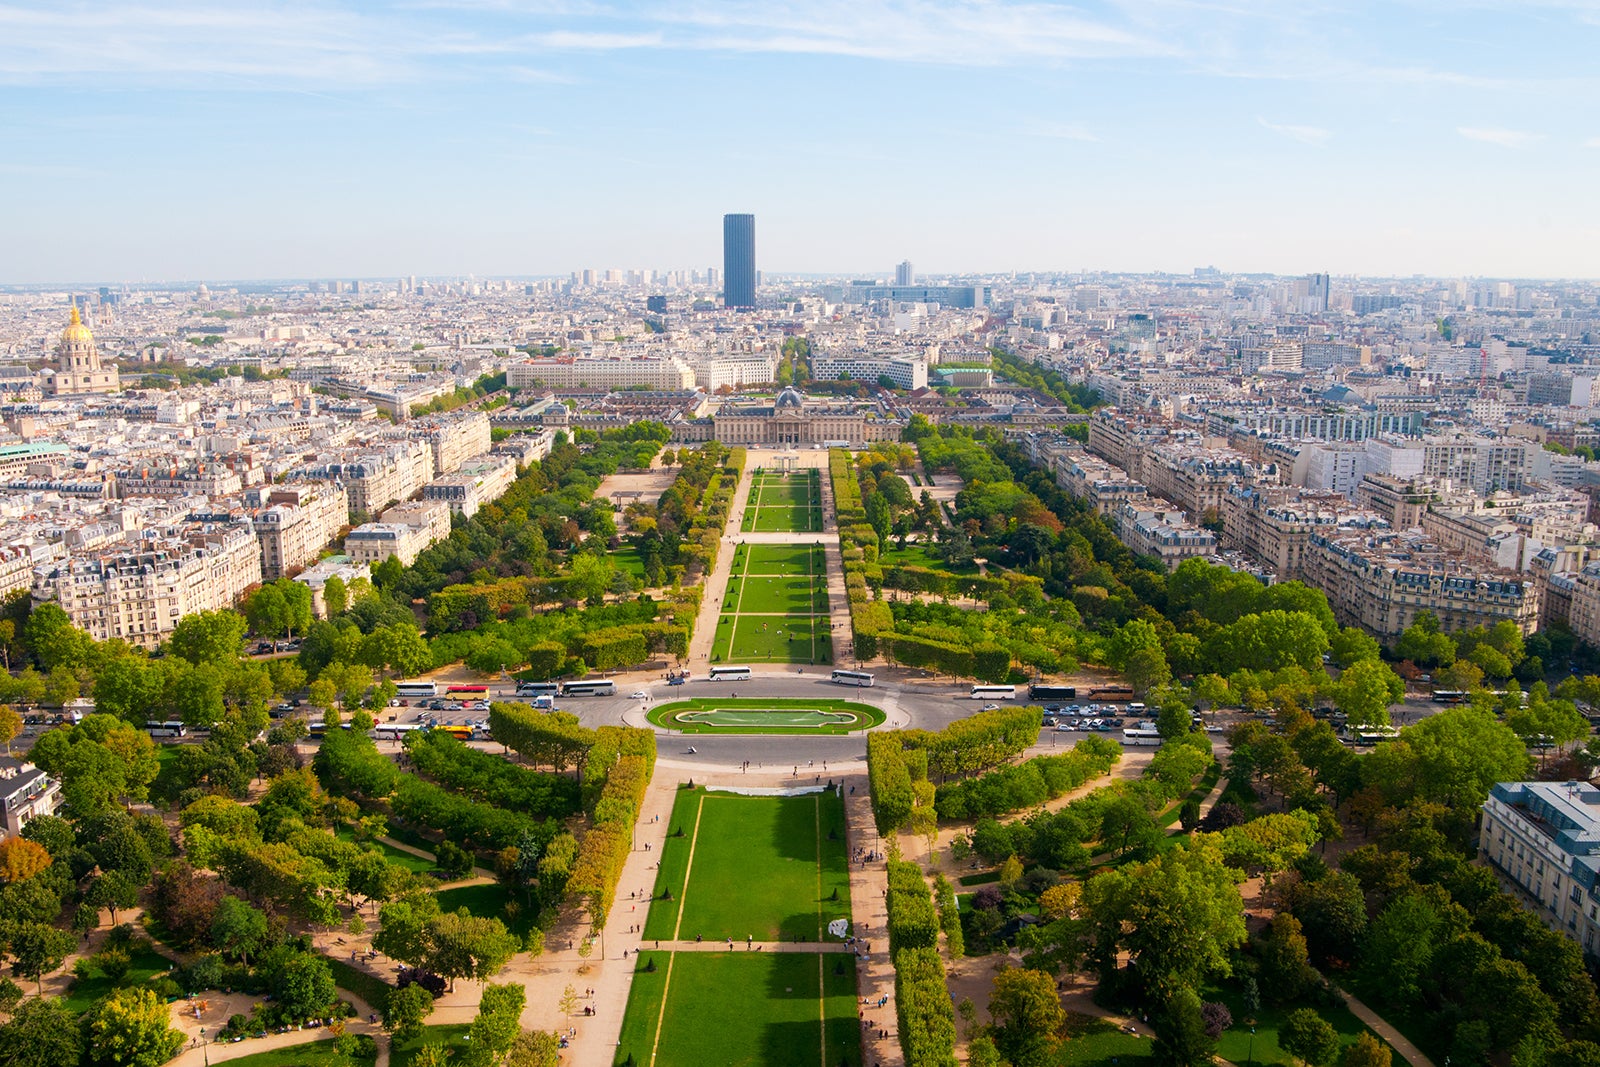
[78, 368]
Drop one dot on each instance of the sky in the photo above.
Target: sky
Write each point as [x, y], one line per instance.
[144, 140]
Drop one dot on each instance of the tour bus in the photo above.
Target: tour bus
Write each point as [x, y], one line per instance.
[729, 674]
[1143, 734]
[320, 728]
[1372, 735]
[1052, 692]
[473, 691]
[171, 728]
[416, 689]
[462, 733]
[1450, 696]
[861, 678]
[394, 731]
[993, 692]
[1111, 692]
[538, 689]
[604, 688]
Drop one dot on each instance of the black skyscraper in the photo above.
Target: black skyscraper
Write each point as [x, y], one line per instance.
[739, 261]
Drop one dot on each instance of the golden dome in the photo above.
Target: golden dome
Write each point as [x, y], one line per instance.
[76, 331]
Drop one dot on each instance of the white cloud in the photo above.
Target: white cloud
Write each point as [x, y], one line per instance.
[1312, 135]
[1497, 136]
[1593, 142]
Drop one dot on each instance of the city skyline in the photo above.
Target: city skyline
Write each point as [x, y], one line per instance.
[270, 141]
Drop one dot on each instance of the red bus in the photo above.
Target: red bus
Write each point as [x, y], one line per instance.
[467, 691]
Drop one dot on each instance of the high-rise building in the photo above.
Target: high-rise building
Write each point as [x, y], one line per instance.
[1316, 293]
[739, 261]
[903, 274]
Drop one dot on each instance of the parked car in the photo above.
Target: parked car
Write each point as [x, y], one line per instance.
[991, 707]
[638, 694]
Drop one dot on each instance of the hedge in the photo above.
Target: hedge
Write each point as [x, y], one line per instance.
[922, 1003]
[944, 896]
[889, 782]
[611, 743]
[489, 778]
[978, 742]
[548, 739]
[459, 819]
[912, 922]
[1029, 784]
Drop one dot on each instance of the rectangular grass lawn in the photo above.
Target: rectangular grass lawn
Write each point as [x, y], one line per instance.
[788, 520]
[765, 867]
[783, 560]
[778, 1009]
[776, 596]
[786, 639]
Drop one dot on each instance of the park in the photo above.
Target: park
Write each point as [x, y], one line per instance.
[765, 716]
[776, 607]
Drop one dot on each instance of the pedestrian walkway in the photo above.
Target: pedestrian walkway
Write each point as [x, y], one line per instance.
[715, 584]
[1402, 1044]
[869, 886]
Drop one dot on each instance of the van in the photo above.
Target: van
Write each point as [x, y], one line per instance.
[547, 702]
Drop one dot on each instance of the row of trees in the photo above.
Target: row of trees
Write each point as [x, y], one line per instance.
[922, 999]
[1027, 784]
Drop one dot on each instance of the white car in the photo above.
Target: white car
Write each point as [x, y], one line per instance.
[638, 694]
[991, 707]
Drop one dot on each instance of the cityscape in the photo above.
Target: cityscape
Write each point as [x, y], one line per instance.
[591, 535]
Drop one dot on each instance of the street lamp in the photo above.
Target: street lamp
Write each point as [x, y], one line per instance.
[1252, 1057]
[205, 1053]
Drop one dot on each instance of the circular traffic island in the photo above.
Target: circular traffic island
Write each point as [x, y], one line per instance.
[765, 716]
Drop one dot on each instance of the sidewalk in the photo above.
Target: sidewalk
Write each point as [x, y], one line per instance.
[1401, 1043]
[715, 584]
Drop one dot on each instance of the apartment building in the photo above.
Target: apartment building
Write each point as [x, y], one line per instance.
[451, 438]
[1104, 486]
[905, 373]
[475, 483]
[1543, 840]
[296, 523]
[26, 792]
[1153, 527]
[1381, 579]
[1274, 524]
[404, 531]
[202, 480]
[139, 594]
[376, 477]
[16, 569]
[1195, 479]
[573, 372]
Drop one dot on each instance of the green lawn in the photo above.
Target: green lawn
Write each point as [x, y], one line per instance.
[670, 716]
[627, 558]
[452, 1036]
[1095, 1042]
[781, 596]
[661, 921]
[765, 867]
[143, 965]
[489, 900]
[774, 639]
[313, 1054]
[1235, 1044]
[918, 555]
[370, 988]
[397, 856]
[742, 1008]
[783, 560]
[786, 520]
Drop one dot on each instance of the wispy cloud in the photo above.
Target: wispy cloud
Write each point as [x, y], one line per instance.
[1593, 142]
[1312, 135]
[1496, 136]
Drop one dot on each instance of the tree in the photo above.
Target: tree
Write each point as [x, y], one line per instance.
[1027, 1011]
[238, 929]
[1424, 644]
[541, 1048]
[1368, 1051]
[21, 859]
[55, 642]
[208, 637]
[302, 982]
[41, 1033]
[1309, 1037]
[1365, 691]
[1285, 960]
[10, 725]
[1147, 668]
[1452, 758]
[129, 1028]
[879, 517]
[1182, 1039]
[115, 890]
[1177, 916]
[466, 946]
[335, 597]
[406, 1010]
[37, 949]
[496, 1027]
[265, 610]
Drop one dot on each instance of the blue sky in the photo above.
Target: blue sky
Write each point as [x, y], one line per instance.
[242, 138]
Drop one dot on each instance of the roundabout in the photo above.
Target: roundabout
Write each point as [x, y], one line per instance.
[765, 716]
